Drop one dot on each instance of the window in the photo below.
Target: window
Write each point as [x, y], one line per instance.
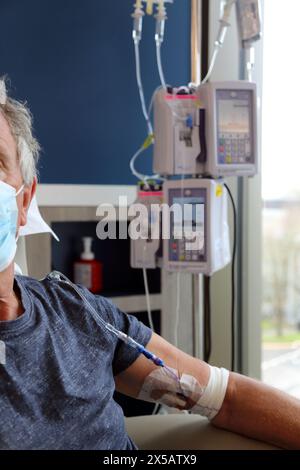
[281, 195]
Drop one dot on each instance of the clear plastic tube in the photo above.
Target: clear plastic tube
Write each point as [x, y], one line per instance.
[107, 326]
[141, 88]
[138, 175]
[59, 276]
[160, 67]
[152, 100]
[178, 279]
[160, 87]
[161, 17]
[150, 318]
[224, 25]
[212, 65]
[157, 405]
[177, 312]
[250, 62]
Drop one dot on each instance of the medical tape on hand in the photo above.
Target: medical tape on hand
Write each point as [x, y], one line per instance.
[186, 393]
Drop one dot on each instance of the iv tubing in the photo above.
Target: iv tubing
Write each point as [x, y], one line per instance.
[108, 327]
[150, 318]
[224, 25]
[177, 314]
[140, 86]
[159, 66]
[132, 165]
[140, 176]
[161, 17]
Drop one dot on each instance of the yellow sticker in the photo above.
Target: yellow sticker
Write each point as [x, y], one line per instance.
[219, 190]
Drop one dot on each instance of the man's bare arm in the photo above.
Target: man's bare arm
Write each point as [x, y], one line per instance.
[250, 408]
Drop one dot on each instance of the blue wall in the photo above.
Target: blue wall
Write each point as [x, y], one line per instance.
[73, 61]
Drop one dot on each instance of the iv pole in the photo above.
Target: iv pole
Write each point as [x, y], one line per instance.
[197, 280]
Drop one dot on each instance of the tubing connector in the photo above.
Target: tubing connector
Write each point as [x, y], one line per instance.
[161, 17]
[225, 20]
[138, 16]
[224, 23]
[149, 8]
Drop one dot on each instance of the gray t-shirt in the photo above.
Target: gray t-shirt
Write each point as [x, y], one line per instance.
[57, 386]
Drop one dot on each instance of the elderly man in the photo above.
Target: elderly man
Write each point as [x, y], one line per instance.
[62, 366]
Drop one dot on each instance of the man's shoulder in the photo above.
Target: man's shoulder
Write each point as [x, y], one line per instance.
[32, 284]
[65, 297]
[47, 286]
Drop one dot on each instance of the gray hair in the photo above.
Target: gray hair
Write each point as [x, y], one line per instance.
[19, 119]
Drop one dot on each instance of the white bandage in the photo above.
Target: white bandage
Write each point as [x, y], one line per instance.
[186, 392]
[213, 396]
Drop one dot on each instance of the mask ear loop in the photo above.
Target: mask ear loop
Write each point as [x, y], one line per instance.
[17, 194]
[20, 190]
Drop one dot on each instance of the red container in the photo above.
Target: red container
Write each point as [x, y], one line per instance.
[89, 274]
[87, 270]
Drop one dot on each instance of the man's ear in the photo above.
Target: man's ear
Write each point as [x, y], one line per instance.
[28, 194]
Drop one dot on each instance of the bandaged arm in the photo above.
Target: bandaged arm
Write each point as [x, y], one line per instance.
[229, 400]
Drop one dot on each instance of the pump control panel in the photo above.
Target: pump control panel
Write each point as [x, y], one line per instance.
[231, 128]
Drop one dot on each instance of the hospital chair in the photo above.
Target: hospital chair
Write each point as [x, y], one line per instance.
[172, 431]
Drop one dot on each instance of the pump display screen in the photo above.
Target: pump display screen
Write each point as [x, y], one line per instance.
[235, 127]
[188, 225]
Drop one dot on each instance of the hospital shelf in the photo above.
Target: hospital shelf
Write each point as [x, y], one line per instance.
[137, 303]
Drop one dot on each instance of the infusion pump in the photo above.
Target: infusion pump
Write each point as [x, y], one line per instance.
[177, 121]
[231, 128]
[196, 233]
[190, 219]
[210, 132]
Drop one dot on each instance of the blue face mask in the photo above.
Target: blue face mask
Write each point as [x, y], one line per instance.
[8, 224]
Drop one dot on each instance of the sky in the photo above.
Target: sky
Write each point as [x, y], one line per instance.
[281, 100]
